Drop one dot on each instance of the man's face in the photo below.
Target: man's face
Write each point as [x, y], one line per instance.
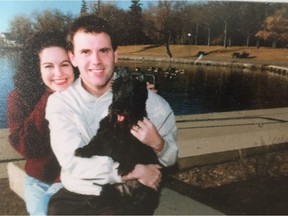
[95, 58]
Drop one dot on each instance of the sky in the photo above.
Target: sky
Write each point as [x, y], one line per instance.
[11, 8]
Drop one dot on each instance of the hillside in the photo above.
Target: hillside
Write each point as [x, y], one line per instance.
[213, 53]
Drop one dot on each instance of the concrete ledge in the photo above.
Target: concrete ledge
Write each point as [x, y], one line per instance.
[209, 138]
[16, 175]
[171, 202]
[218, 137]
[222, 157]
[3, 170]
[7, 152]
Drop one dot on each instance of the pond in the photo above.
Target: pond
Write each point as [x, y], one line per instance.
[6, 85]
[192, 89]
[199, 89]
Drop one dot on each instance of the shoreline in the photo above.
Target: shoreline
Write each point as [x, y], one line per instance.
[195, 62]
[211, 55]
[275, 68]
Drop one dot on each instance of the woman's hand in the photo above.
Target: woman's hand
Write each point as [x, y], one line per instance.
[146, 132]
[148, 175]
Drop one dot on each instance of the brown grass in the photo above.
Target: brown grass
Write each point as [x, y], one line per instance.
[215, 53]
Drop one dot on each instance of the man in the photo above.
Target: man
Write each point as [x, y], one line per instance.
[75, 113]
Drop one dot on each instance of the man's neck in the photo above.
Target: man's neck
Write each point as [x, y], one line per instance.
[97, 91]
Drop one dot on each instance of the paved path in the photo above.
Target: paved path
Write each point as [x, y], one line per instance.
[173, 203]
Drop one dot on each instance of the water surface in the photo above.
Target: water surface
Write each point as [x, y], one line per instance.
[194, 89]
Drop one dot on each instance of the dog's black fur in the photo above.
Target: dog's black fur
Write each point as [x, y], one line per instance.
[115, 140]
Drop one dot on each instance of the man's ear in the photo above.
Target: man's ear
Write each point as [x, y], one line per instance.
[72, 58]
[115, 56]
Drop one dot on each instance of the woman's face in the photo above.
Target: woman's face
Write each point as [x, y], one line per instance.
[56, 70]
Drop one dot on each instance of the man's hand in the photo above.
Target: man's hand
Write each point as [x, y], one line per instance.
[148, 175]
[147, 133]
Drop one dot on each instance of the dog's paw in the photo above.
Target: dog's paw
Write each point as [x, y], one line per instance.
[80, 152]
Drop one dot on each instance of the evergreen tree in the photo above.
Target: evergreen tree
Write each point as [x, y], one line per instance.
[84, 8]
[135, 25]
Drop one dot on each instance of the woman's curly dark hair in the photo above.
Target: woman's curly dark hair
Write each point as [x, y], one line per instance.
[27, 78]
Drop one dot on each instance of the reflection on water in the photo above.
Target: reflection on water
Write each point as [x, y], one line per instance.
[218, 89]
[193, 89]
[6, 85]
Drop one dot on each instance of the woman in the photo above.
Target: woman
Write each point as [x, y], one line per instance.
[43, 68]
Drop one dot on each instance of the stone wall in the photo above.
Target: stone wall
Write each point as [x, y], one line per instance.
[7, 153]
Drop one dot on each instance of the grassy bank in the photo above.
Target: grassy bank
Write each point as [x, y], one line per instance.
[213, 53]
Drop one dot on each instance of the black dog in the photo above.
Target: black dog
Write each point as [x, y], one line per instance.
[115, 140]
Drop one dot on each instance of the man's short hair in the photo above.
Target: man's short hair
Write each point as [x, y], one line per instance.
[90, 24]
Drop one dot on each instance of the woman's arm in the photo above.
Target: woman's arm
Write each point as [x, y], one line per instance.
[29, 133]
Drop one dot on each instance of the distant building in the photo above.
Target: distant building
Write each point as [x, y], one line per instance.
[8, 39]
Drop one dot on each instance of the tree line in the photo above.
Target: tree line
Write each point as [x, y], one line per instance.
[225, 23]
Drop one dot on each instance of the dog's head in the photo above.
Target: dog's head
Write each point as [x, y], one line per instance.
[129, 100]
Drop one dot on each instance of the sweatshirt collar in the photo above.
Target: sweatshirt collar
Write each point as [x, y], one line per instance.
[88, 98]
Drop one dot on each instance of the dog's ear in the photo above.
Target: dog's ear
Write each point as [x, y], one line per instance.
[141, 77]
[123, 73]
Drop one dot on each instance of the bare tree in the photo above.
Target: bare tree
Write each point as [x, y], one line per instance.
[52, 20]
[159, 22]
[21, 27]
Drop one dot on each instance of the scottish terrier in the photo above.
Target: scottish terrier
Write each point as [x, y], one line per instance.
[115, 140]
